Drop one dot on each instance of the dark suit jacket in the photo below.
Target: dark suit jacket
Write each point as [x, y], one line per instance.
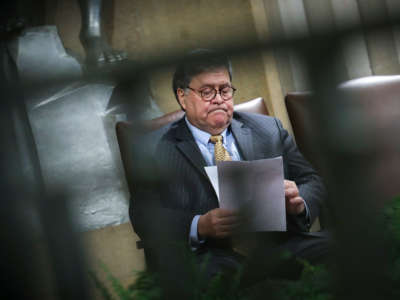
[172, 187]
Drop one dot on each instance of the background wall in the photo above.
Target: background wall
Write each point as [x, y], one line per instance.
[147, 29]
[152, 29]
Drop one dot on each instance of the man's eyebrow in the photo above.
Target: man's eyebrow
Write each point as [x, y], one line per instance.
[206, 86]
[212, 86]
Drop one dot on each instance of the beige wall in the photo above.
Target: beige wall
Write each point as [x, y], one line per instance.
[148, 29]
[115, 247]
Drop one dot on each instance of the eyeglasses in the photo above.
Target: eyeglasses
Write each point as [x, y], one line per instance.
[210, 93]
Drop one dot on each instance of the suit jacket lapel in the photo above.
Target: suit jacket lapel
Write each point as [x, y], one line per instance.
[244, 139]
[188, 147]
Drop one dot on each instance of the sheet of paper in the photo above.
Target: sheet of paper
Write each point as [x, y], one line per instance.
[256, 188]
[212, 173]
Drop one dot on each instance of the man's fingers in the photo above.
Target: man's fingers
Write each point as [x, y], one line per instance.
[229, 220]
[218, 223]
[227, 230]
[221, 212]
[296, 201]
[295, 205]
[289, 183]
[291, 192]
[226, 226]
[291, 189]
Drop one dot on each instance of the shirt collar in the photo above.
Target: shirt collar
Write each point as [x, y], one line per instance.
[202, 136]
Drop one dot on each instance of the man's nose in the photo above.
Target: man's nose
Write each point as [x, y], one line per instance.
[218, 99]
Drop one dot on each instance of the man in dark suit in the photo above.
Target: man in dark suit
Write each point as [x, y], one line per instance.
[177, 202]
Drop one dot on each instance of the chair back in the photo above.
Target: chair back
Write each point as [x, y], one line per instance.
[297, 105]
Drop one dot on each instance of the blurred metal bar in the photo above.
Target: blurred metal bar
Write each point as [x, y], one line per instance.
[26, 211]
[129, 69]
[17, 268]
[380, 41]
[344, 135]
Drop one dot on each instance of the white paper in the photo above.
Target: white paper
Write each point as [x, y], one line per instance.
[212, 173]
[256, 188]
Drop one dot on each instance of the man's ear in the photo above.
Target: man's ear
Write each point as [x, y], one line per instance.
[181, 97]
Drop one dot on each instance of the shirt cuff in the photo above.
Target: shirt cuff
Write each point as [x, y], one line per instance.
[194, 240]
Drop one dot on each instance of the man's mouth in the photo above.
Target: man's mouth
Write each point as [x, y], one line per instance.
[218, 110]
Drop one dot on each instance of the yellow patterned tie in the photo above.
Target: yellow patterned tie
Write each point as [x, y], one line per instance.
[220, 153]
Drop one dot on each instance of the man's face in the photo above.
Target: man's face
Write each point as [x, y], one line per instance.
[210, 116]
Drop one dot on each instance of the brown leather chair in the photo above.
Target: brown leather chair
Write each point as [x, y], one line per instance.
[373, 105]
[297, 105]
[126, 132]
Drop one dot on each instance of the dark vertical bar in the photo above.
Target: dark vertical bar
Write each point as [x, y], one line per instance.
[359, 257]
[281, 54]
[23, 194]
[17, 268]
[320, 20]
[380, 42]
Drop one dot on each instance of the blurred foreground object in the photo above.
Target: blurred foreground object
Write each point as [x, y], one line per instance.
[350, 133]
[367, 116]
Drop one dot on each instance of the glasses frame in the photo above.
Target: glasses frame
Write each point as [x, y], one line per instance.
[215, 95]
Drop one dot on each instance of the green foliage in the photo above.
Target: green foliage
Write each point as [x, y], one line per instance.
[100, 286]
[392, 221]
[145, 287]
[116, 284]
[315, 283]
[222, 287]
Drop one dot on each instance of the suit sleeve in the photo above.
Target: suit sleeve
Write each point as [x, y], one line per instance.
[299, 170]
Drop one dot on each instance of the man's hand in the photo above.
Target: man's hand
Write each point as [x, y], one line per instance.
[218, 223]
[294, 203]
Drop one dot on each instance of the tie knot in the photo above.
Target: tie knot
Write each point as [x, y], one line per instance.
[216, 139]
[220, 153]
